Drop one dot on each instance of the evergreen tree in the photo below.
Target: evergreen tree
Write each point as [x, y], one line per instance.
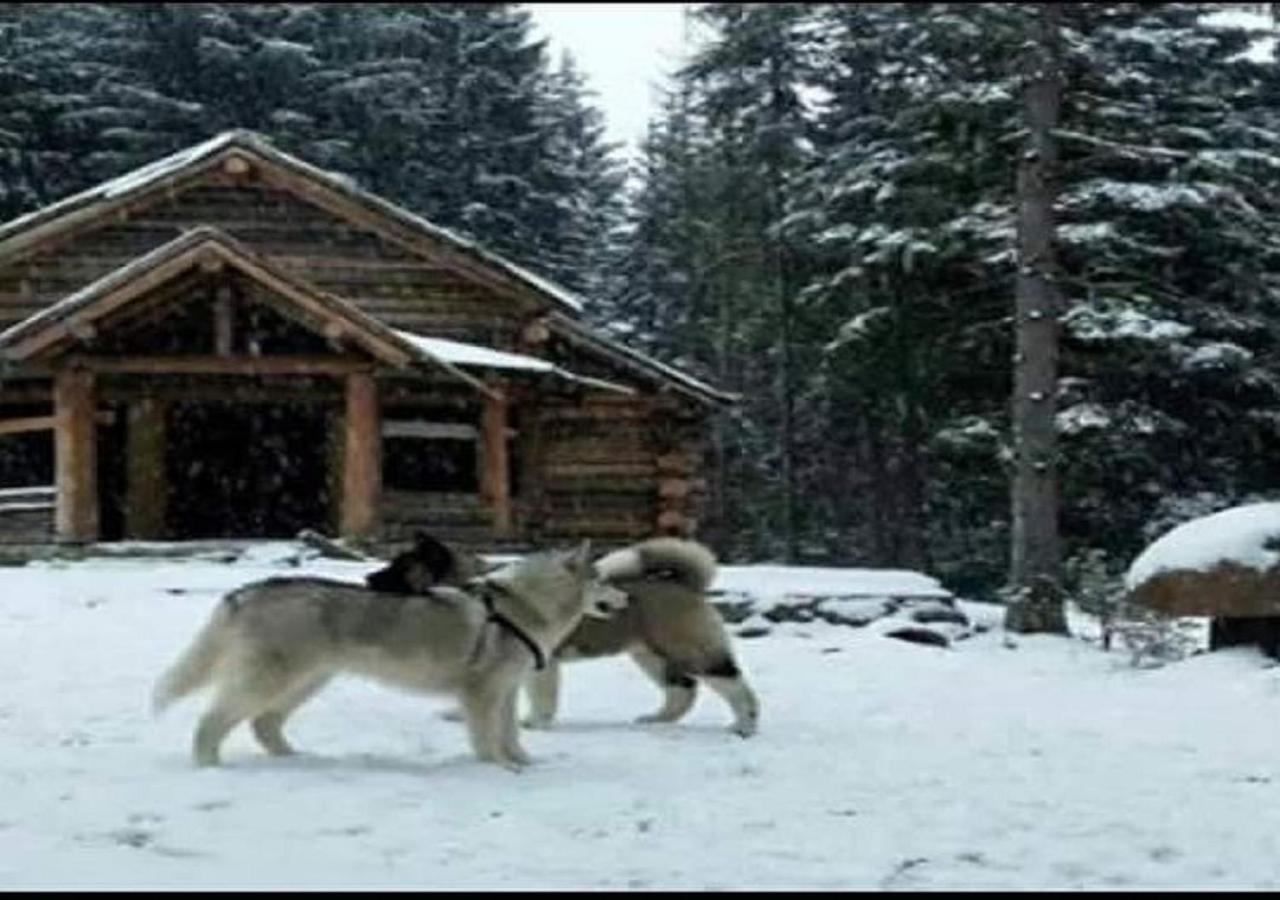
[72, 109]
[448, 109]
[578, 184]
[1169, 245]
[750, 82]
[906, 220]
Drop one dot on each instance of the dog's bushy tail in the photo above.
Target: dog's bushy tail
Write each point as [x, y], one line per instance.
[678, 559]
[194, 669]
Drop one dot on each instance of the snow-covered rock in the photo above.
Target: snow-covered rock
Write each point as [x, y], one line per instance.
[1224, 564]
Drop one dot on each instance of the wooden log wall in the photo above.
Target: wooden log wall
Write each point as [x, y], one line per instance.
[598, 473]
[27, 515]
[463, 519]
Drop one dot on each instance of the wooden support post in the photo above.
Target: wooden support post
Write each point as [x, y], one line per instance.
[533, 496]
[147, 488]
[335, 439]
[494, 478]
[75, 456]
[361, 458]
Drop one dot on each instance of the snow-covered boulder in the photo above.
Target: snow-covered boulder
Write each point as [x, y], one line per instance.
[1225, 565]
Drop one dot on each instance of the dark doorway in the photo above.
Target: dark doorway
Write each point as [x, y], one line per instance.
[246, 470]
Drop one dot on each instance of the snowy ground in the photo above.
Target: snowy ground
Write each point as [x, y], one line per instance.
[880, 764]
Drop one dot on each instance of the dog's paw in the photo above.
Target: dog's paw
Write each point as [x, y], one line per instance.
[536, 723]
[744, 729]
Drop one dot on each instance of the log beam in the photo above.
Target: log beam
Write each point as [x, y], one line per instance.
[361, 459]
[225, 365]
[495, 483]
[75, 456]
[26, 424]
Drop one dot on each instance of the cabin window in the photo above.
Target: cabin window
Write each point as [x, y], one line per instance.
[26, 452]
[420, 455]
[27, 494]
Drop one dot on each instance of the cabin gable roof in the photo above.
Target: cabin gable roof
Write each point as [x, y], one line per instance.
[241, 152]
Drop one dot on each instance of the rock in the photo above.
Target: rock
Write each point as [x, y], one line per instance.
[790, 613]
[919, 636]
[1227, 590]
[853, 611]
[734, 611]
[753, 631]
[939, 614]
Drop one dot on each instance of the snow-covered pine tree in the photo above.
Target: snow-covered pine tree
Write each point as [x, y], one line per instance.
[1168, 242]
[448, 109]
[750, 79]
[578, 186]
[73, 109]
[1171, 163]
[906, 219]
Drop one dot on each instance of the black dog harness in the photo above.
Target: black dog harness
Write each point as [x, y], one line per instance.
[539, 658]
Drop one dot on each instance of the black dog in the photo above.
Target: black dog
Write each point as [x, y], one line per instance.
[413, 571]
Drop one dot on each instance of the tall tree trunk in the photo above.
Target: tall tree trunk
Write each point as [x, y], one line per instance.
[1036, 603]
[786, 317]
[787, 390]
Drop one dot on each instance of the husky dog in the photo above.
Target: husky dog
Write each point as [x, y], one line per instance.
[272, 645]
[668, 627]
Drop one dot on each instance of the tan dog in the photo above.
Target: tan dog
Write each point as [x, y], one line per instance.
[669, 627]
[272, 645]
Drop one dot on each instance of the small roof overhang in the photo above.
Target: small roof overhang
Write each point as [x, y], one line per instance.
[474, 356]
[592, 339]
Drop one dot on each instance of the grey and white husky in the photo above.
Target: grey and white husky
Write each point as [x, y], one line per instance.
[669, 627]
[272, 645]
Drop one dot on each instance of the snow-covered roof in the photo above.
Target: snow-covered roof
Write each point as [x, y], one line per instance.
[254, 143]
[1248, 536]
[460, 353]
[465, 354]
[635, 359]
[116, 187]
[17, 233]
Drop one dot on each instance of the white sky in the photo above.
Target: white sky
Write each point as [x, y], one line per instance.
[626, 50]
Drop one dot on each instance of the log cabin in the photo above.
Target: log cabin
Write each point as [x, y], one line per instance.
[232, 343]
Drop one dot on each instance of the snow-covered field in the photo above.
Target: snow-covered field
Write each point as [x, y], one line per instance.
[880, 764]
